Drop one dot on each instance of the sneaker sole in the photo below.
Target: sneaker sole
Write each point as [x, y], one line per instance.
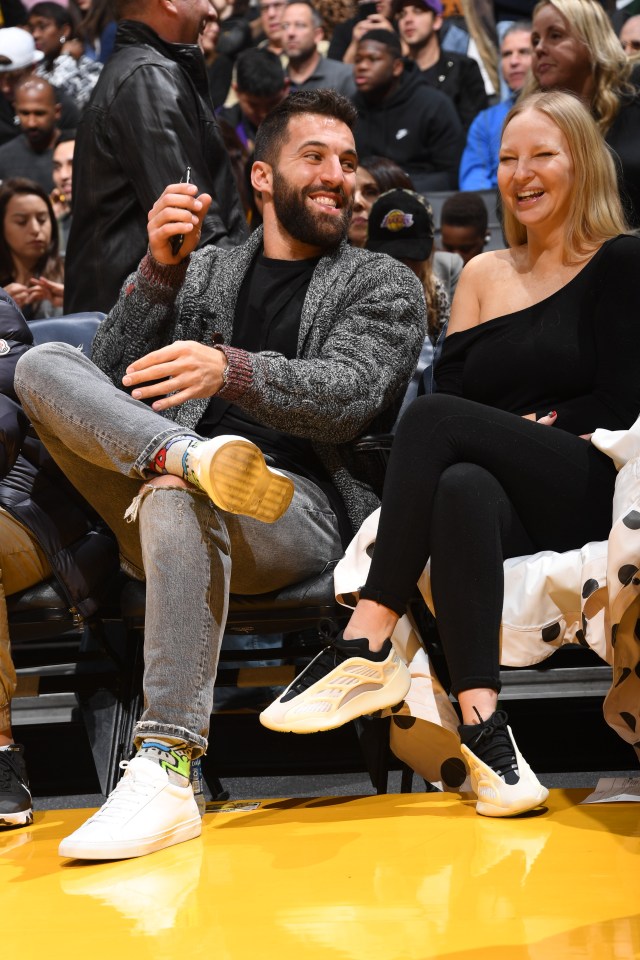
[388, 696]
[128, 849]
[238, 480]
[486, 809]
[22, 818]
[528, 801]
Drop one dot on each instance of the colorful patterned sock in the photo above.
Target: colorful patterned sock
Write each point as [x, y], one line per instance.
[173, 458]
[174, 757]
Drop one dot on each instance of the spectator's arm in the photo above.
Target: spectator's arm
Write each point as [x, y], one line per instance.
[477, 166]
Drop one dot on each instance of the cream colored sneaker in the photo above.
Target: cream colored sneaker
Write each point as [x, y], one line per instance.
[233, 472]
[342, 682]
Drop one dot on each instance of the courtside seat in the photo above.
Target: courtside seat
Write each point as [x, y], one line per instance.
[76, 329]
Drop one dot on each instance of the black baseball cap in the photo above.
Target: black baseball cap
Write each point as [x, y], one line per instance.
[401, 224]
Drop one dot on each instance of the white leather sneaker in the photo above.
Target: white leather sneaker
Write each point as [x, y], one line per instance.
[344, 681]
[233, 472]
[501, 778]
[146, 812]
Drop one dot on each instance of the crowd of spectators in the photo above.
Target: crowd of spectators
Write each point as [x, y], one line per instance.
[432, 84]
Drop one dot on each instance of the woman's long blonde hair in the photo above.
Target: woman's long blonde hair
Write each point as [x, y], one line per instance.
[596, 212]
[610, 67]
[484, 42]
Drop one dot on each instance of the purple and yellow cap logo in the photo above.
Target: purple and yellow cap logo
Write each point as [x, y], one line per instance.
[397, 220]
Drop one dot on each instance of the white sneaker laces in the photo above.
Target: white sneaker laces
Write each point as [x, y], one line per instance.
[125, 798]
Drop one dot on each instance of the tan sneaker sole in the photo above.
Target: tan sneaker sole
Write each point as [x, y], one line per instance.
[238, 480]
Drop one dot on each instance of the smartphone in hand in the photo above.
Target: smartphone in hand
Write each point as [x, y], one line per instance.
[366, 8]
[177, 241]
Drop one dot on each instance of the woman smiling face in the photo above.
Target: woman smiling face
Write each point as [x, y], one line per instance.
[536, 171]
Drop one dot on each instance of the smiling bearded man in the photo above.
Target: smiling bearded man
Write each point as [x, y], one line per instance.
[267, 362]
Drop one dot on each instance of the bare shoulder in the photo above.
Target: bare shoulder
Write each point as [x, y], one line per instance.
[480, 275]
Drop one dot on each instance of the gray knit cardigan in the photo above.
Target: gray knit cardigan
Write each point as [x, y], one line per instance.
[362, 326]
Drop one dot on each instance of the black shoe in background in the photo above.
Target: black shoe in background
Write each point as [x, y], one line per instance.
[15, 796]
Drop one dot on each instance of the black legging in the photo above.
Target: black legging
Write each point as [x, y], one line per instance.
[470, 486]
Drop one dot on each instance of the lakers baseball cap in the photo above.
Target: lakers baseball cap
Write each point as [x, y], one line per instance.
[401, 224]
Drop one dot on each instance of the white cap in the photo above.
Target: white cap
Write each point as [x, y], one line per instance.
[17, 50]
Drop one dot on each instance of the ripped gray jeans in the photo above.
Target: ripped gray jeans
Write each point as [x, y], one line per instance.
[191, 554]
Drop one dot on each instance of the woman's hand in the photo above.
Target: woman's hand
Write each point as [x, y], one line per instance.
[178, 212]
[548, 420]
[19, 292]
[74, 48]
[38, 289]
[187, 370]
[43, 289]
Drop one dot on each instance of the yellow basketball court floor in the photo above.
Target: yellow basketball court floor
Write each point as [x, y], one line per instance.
[397, 877]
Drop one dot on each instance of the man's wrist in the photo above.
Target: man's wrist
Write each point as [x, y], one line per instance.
[237, 375]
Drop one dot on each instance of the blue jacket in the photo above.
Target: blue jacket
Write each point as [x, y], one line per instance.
[479, 164]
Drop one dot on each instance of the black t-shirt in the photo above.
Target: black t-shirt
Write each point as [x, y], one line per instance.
[267, 317]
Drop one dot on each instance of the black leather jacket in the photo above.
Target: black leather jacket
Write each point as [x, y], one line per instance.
[149, 118]
[82, 552]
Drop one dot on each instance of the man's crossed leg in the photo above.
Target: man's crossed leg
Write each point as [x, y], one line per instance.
[191, 553]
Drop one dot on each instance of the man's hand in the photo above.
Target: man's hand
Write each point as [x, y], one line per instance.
[177, 212]
[373, 22]
[187, 370]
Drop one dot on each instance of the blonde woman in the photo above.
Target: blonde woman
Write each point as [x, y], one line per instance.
[575, 48]
[542, 349]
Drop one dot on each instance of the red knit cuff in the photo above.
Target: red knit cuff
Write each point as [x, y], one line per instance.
[162, 278]
[239, 373]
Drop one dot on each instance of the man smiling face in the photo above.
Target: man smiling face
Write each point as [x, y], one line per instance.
[314, 179]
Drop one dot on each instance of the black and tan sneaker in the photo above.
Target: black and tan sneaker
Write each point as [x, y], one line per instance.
[503, 781]
[345, 681]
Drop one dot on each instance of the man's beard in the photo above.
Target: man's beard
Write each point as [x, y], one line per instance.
[39, 140]
[299, 220]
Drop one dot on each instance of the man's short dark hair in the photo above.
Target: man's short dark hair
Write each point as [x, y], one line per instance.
[315, 16]
[388, 39]
[465, 209]
[273, 129]
[259, 73]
